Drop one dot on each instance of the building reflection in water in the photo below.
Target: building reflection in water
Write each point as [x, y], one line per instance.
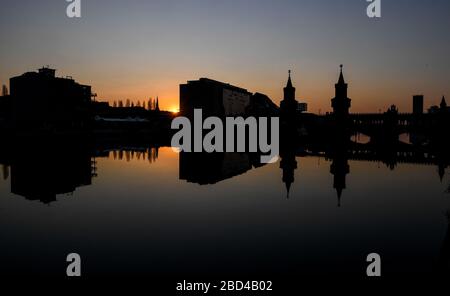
[57, 166]
[443, 260]
[210, 168]
[49, 169]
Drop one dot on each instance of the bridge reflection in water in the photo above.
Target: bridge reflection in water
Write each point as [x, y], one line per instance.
[59, 167]
[53, 169]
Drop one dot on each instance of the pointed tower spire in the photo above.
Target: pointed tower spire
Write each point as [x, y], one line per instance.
[441, 171]
[289, 90]
[288, 188]
[443, 103]
[339, 194]
[341, 76]
[289, 82]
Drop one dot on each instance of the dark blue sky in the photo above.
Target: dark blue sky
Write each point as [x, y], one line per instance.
[136, 49]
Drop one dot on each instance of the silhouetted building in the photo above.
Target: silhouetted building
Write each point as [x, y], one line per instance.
[434, 109]
[213, 97]
[302, 107]
[442, 108]
[261, 105]
[5, 110]
[41, 100]
[341, 103]
[418, 104]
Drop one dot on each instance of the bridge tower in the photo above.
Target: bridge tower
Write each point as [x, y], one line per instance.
[341, 103]
[289, 105]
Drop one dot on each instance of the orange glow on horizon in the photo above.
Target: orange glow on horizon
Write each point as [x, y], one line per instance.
[366, 97]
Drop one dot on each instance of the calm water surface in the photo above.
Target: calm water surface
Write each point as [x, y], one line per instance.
[138, 217]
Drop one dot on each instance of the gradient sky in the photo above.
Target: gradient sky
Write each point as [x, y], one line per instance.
[137, 49]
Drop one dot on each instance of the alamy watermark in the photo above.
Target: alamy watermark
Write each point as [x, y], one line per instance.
[74, 268]
[374, 9]
[374, 268]
[73, 9]
[214, 141]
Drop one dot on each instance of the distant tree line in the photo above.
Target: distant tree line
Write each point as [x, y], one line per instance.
[151, 104]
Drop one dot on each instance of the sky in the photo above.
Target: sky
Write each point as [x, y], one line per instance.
[137, 49]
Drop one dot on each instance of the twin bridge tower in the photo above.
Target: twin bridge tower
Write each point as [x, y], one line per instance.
[329, 135]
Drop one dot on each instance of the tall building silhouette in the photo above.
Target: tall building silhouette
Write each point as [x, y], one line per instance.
[341, 103]
[443, 104]
[418, 104]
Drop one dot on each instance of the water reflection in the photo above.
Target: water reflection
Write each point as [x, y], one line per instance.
[149, 154]
[210, 168]
[146, 196]
[59, 166]
[49, 169]
[5, 171]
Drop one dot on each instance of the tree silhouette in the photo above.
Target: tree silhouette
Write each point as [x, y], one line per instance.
[150, 104]
[4, 90]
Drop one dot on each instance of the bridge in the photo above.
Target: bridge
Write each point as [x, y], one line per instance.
[391, 124]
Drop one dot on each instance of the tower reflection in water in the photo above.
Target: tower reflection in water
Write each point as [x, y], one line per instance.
[59, 167]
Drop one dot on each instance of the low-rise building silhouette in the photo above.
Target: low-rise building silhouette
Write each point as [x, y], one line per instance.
[442, 108]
